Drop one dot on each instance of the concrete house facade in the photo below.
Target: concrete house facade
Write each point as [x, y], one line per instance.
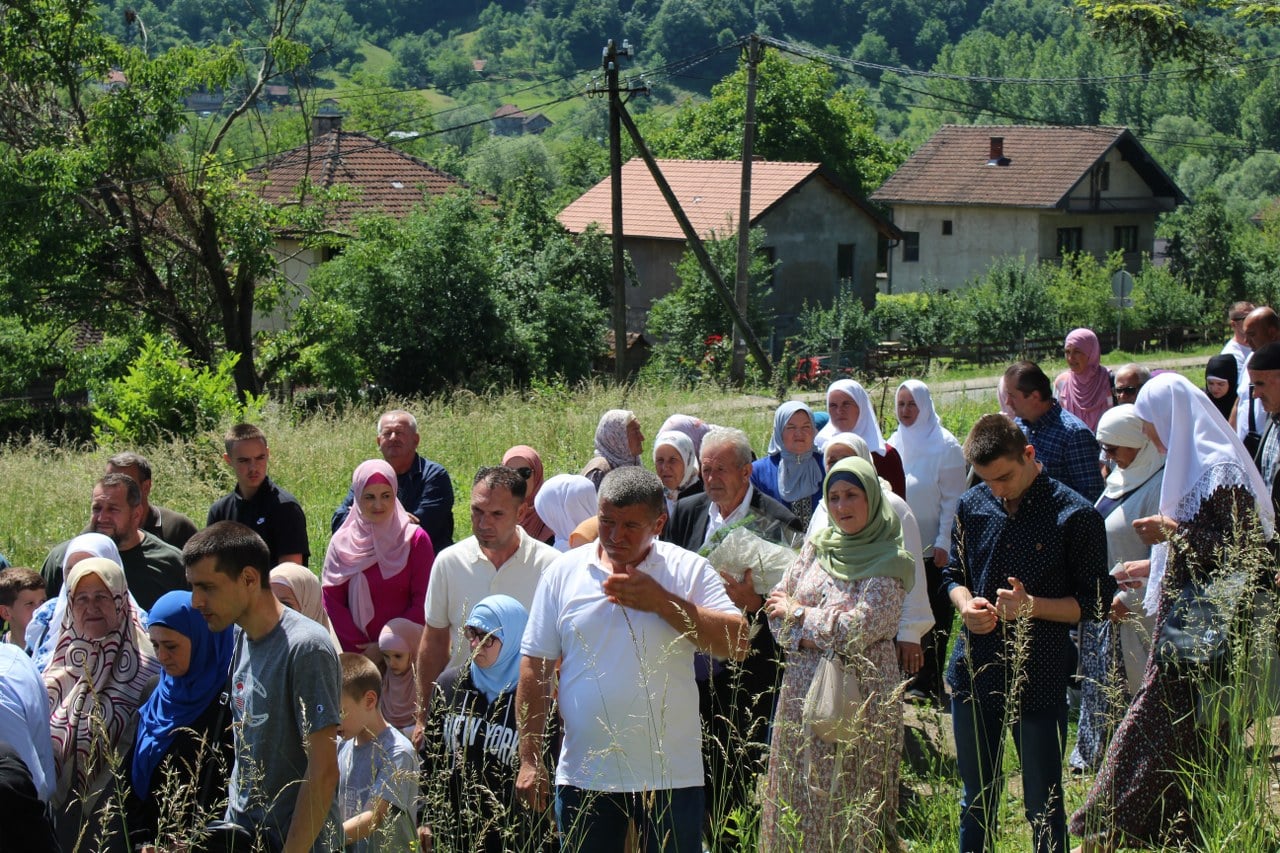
[971, 195]
[817, 231]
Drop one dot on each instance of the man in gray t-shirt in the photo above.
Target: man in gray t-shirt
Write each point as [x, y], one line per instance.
[285, 694]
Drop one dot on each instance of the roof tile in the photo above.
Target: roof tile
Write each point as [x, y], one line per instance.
[1044, 164]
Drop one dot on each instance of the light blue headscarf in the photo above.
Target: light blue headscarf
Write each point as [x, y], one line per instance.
[505, 618]
[798, 476]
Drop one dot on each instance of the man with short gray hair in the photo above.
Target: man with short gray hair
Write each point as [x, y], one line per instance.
[1128, 379]
[624, 616]
[737, 700]
[422, 486]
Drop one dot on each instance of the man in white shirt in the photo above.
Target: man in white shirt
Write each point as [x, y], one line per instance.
[624, 616]
[499, 557]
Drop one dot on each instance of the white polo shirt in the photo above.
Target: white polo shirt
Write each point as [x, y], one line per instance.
[627, 692]
[462, 575]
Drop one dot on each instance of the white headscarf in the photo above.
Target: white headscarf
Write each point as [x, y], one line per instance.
[1122, 427]
[684, 446]
[867, 427]
[924, 437]
[564, 502]
[1196, 438]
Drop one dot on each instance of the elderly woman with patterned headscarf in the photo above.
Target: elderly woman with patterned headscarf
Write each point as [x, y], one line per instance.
[619, 441]
[676, 462]
[850, 409]
[842, 596]
[1084, 388]
[46, 622]
[102, 670]
[377, 565]
[792, 472]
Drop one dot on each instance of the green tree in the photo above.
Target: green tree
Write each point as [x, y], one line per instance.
[801, 116]
[108, 219]
[1202, 249]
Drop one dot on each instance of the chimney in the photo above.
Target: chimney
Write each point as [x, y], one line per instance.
[322, 123]
[996, 153]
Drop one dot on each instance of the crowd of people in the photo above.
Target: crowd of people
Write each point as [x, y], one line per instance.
[622, 659]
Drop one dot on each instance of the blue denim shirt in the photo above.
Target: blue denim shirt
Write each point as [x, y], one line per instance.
[1056, 544]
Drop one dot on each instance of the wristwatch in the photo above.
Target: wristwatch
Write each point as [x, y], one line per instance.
[798, 614]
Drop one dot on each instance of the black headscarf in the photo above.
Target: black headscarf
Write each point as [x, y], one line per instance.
[1223, 367]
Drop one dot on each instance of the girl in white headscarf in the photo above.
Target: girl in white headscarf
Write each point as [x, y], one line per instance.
[564, 502]
[675, 461]
[1113, 652]
[851, 411]
[934, 467]
[1211, 497]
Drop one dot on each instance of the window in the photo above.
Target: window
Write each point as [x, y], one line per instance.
[910, 246]
[1104, 177]
[844, 262]
[946, 228]
[1126, 238]
[1070, 240]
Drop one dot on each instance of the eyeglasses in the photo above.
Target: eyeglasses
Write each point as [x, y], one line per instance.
[1126, 390]
[1109, 449]
[1238, 318]
[524, 472]
[98, 599]
[476, 635]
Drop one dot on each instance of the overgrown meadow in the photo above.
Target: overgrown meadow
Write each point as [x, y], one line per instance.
[45, 494]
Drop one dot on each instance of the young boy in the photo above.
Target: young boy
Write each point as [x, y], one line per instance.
[21, 592]
[377, 765]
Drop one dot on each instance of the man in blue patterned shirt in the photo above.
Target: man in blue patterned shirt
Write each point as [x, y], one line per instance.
[1028, 561]
[1064, 445]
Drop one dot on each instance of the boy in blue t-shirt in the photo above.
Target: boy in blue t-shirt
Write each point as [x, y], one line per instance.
[377, 765]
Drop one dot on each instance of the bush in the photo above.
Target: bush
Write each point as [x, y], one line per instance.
[915, 319]
[1009, 305]
[163, 396]
[1161, 302]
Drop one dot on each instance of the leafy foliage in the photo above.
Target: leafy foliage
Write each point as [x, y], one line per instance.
[164, 396]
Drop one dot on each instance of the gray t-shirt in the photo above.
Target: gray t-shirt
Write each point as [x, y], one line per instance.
[286, 686]
[387, 767]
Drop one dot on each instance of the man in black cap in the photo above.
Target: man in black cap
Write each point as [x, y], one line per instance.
[1264, 376]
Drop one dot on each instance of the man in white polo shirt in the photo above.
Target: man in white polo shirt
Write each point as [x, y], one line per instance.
[499, 557]
[624, 616]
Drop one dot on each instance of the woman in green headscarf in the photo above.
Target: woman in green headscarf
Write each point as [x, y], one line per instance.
[843, 595]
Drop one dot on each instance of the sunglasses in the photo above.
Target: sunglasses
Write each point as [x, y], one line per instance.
[1238, 319]
[1109, 449]
[1127, 389]
[484, 639]
[525, 473]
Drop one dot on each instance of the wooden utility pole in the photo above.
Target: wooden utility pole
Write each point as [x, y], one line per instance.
[611, 55]
[741, 289]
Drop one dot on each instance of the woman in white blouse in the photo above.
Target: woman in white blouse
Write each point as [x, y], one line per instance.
[935, 470]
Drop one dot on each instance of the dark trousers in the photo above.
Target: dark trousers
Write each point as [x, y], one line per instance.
[1040, 739]
[668, 821]
[929, 679]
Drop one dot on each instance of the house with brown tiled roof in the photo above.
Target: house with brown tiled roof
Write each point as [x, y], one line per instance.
[971, 195]
[377, 178]
[818, 232]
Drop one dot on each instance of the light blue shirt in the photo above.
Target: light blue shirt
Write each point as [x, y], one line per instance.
[24, 717]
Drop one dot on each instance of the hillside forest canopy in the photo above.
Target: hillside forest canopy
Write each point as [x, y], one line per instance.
[123, 203]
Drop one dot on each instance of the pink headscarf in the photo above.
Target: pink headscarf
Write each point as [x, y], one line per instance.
[529, 518]
[1087, 394]
[693, 427]
[399, 693]
[359, 544]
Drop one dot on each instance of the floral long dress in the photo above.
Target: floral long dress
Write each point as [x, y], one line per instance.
[822, 796]
[1139, 797]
